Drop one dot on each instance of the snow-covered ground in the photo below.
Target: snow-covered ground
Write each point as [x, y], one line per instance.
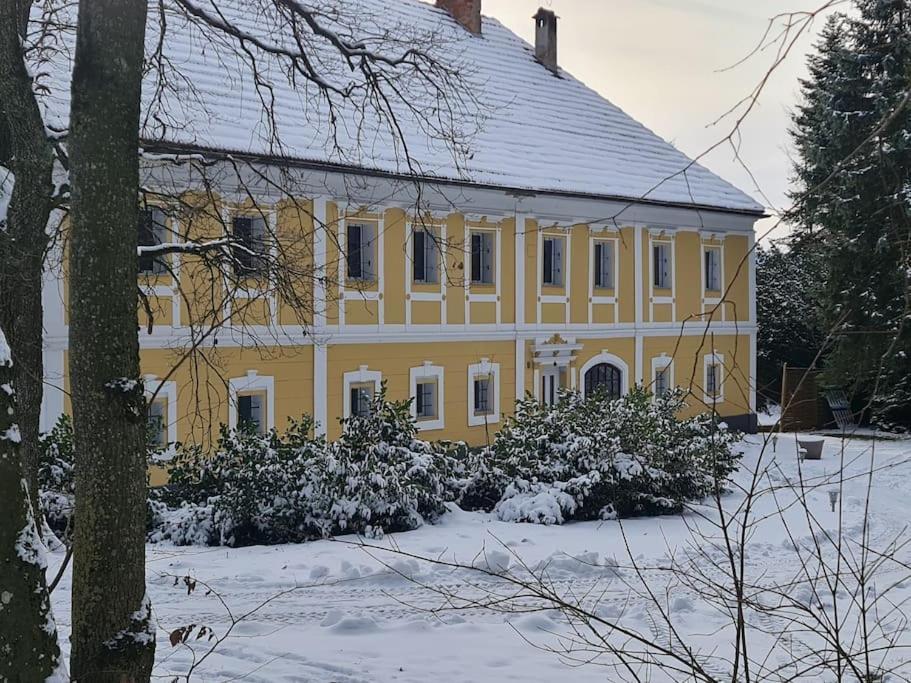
[333, 611]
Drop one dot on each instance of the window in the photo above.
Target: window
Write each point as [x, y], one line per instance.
[161, 411]
[662, 381]
[152, 230]
[425, 256]
[553, 261]
[360, 245]
[604, 265]
[252, 245]
[360, 386]
[250, 412]
[661, 265]
[714, 378]
[425, 399]
[483, 393]
[605, 378]
[711, 380]
[427, 396]
[713, 269]
[360, 399]
[482, 257]
[158, 427]
[483, 404]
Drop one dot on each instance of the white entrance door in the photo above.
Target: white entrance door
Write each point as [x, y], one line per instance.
[550, 385]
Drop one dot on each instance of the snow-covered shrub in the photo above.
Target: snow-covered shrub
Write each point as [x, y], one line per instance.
[255, 488]
[597, 458]
[290, 487]
[379, 476]
[56, 475]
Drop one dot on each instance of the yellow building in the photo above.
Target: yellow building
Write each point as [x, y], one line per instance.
[573, 249]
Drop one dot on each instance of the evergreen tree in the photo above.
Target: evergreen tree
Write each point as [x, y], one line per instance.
[28, 636]
[787, 291]
[853, 140]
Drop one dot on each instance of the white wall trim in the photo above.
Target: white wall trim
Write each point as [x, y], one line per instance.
[251, 383]
[520, 269]
[428, 371]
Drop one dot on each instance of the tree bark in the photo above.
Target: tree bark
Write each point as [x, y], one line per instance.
[26, 150]
[28, 637]
[113, 635]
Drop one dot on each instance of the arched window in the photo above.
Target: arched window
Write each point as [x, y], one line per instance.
[604, 377]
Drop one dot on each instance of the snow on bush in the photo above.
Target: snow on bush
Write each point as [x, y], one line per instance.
[582, 459]
[56, 475]
[597, 458]
[278, 488]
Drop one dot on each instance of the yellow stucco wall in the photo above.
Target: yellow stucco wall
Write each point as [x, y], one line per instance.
[449, 307]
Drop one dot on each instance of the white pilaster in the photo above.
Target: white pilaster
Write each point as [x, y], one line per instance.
[320, 353]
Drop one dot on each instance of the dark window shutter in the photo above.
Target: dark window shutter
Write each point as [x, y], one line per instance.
[548, 262]
[476, 249]
[243, 233]
[355, 269]
[656, 265]
[599, 263]
[146, 239]
[418, 256]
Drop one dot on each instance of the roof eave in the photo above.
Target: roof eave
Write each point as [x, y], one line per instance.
[216, 153]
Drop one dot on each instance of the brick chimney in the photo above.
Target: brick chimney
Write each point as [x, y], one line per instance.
[546, 38]
[466, 12]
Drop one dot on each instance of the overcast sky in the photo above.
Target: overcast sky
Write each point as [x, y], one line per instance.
[661, 61]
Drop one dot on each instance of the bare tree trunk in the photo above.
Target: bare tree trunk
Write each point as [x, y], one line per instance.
[113, 635]
[26, 150]
[28, 638]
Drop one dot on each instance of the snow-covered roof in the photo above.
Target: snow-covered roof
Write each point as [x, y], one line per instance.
[515, 124]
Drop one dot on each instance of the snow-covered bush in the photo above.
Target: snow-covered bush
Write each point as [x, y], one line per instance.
[379, 476]
[290, 487]
[56, 475]
[597, 458]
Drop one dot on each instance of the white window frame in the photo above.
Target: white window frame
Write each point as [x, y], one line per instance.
[434, 251]
[436, 373]
[667, 244]
[562, 241]
[373, 228]
[252, 383]
[664, 237]
[662, 362]
[492, 235]
[168, 392]
[360, 376]
[709, 360]
[716, 293]
[484, 369]
[611, 359]
[611, 243]
[265, 219]
[598, 295]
